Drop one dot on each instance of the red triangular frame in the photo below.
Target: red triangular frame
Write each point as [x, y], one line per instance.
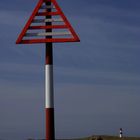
[46, 40]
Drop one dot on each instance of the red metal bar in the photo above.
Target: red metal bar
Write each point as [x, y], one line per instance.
[29, 22]
[47, 13]
[54, 40]
[66, 21]
[59, 12]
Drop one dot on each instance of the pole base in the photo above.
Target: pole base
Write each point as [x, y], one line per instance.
[50, 130]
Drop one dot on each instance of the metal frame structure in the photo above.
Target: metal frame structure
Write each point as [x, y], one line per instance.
[37, 14]
[55, 30]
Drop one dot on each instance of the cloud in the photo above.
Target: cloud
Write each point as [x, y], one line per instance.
[12, 18]
[97, 77]
[25, 73]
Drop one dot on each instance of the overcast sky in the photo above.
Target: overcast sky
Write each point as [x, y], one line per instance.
[97, 81]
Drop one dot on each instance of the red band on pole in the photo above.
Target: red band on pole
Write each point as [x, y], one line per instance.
[49, 51]
[50, 134]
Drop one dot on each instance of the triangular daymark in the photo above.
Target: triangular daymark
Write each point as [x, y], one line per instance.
[37, 30]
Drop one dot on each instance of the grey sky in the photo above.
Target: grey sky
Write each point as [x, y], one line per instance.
[96, 81]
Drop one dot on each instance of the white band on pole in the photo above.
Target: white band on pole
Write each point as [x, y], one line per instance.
[49, 103]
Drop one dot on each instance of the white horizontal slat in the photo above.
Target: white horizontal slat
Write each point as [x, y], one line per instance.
[47, 7]
[54, 20]
[48, 20]
[48, 34]
[38, 20]
[31, 34]
[54, 33]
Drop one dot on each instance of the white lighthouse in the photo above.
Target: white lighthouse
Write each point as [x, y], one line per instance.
[121, 133]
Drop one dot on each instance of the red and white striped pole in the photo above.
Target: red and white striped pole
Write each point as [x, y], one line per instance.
[49, 97]
[40, 20]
